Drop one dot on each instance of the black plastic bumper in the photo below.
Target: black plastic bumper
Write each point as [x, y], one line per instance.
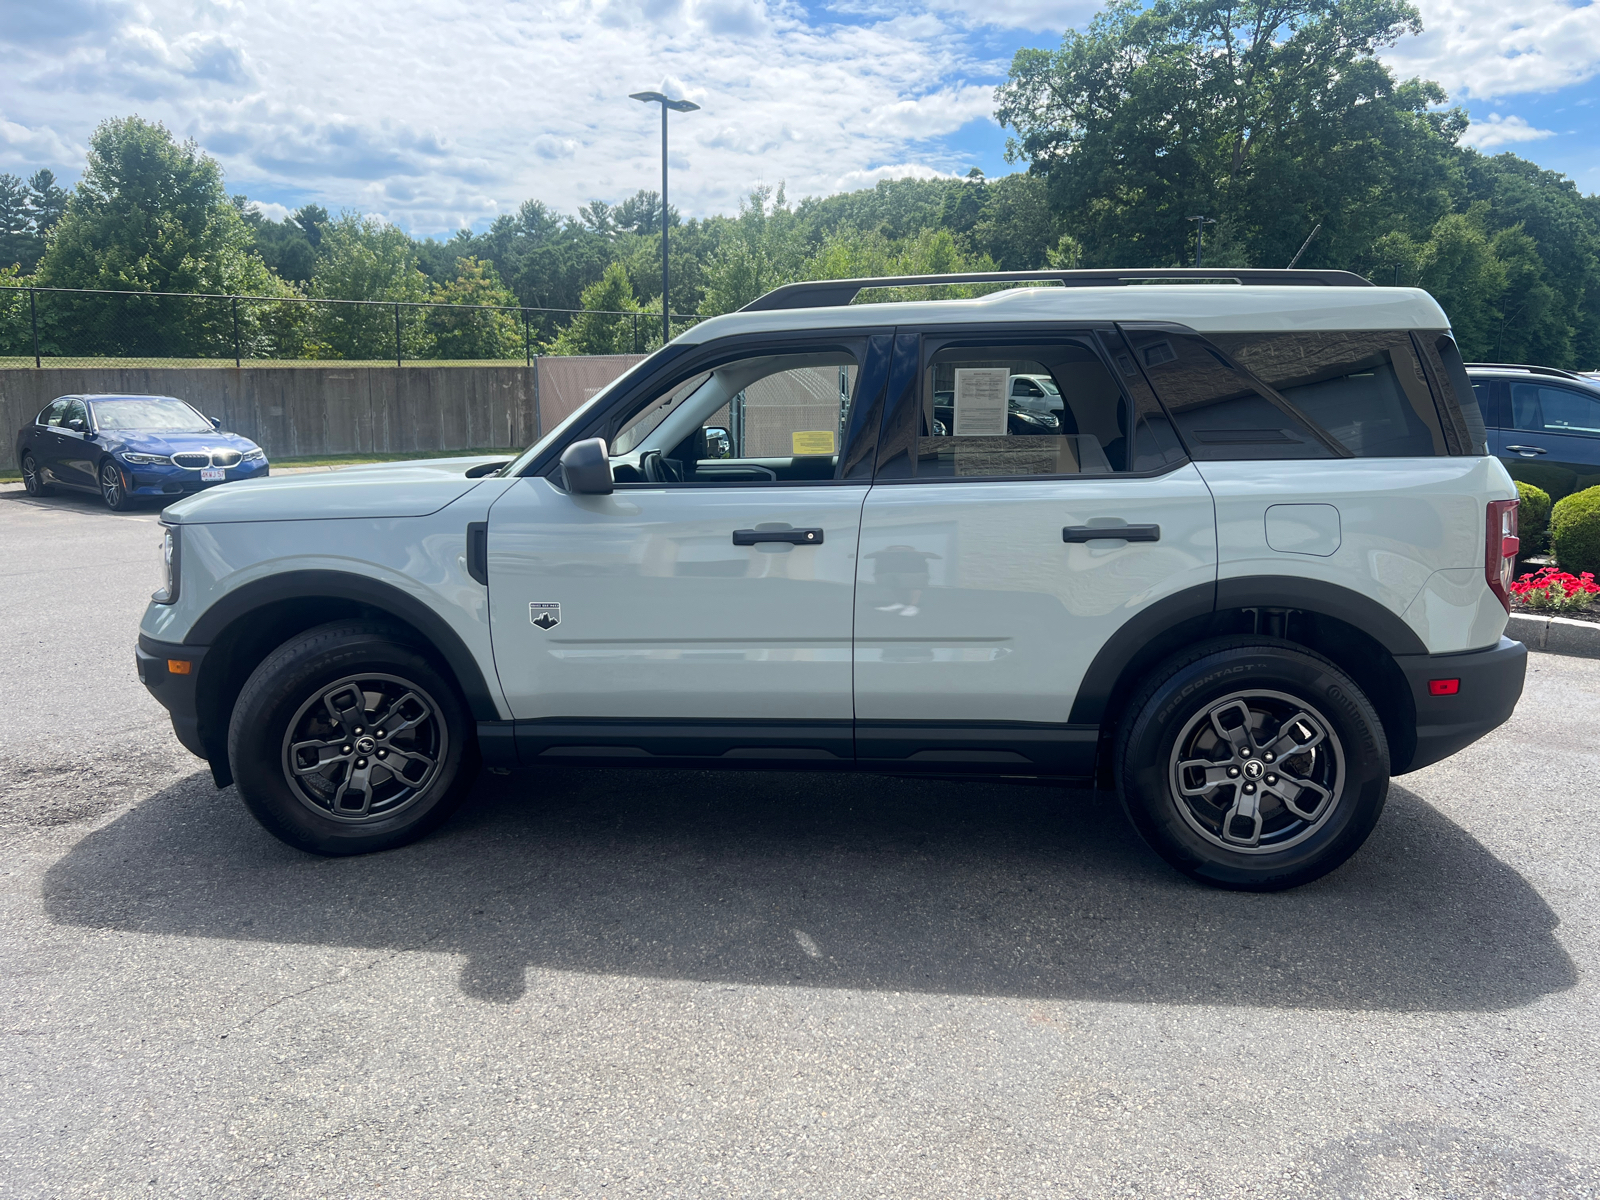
[1488, 685]
[174, 690]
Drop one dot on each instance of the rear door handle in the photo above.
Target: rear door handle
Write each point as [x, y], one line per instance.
[1528, 451]
[1102, 533]
[795, 537]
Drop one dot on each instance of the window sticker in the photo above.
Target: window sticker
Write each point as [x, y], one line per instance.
[816, 441]
[980, 401]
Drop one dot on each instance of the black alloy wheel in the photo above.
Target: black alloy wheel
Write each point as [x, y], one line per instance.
[350, 738]
[33, 476]
[1252, 764]
[114, 487]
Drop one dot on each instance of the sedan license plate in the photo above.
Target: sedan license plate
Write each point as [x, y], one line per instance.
[212, 475]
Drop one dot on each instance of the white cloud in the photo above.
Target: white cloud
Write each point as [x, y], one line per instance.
[853, 180]
[272, 212]
[1484, 48]
[1495, 130]
[1042, 15]
[435, 112]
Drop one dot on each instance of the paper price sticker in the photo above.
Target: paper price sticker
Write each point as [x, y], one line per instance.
[819, 441]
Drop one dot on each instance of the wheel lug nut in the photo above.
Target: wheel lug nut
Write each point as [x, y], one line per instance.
[344, 749]
[1268, 756]
[358, 729]
[379, 733]
[1249, 789]
[1233, 772]
[361, 762]
[1272, 779]
[383, 753]
[1244, 753]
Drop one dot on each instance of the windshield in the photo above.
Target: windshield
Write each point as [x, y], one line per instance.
[157, 414]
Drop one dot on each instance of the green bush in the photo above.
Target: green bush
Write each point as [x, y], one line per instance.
[1555, 482]
[1533, 518]
[1575, 532]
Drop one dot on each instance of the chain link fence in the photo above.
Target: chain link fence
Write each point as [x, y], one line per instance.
[57, 327]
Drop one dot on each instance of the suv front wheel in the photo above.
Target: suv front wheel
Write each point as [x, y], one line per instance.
[348, 739]
[1252, 764]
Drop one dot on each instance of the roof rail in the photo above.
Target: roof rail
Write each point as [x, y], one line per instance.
[831, 293]
[1556, 371]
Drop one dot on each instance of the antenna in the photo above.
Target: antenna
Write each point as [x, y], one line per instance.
[1303, 246]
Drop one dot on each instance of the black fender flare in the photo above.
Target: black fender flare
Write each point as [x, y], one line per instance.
[1100, 681]
[359, 589]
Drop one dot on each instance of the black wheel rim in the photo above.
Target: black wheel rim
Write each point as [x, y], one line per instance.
[30, 473]
[364, 748]
[111, 484]
[1257, 772]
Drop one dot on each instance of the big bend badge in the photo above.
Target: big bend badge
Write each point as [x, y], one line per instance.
[543, 614]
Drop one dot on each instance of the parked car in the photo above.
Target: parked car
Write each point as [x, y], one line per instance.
[1260, 567]
[1543, 422]
[131, 447]
[1036, 394]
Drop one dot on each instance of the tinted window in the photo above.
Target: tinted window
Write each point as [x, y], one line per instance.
[1547, 409]
[1219, 411]
[1364, 390]
[75, 412]
[761, 419]
[1483, 393]
[997, 410]
[158, 414]
[53, 413]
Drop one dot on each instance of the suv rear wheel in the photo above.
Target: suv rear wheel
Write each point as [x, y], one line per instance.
[1253, 765]
[347, 739]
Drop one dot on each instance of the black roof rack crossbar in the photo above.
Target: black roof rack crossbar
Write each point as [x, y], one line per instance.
[1556, 371]
[831, 293]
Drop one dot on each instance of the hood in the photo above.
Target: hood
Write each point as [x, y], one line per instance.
[375, 491]
[150, 442]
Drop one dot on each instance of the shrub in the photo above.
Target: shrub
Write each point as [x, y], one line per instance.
[1533, 518]
[1575, 531]
[1556, 589]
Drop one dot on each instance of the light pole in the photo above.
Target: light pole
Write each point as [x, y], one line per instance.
[1200, 224]
[679, 106]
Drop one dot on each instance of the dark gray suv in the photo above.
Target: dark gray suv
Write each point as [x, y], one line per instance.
[1543, 423]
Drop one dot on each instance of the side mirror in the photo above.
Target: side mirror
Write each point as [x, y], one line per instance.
[215, 424]
[719, 442]
[77, 425]
[586, 468]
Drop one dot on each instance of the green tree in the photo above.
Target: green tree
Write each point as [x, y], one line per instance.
[1457, 263]
[760, 250]
[366, 259]
[607, 325]
[149, 215]
[20, 245]
[484, 331]
[1275, 114]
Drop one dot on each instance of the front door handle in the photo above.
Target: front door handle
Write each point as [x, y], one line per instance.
[1102, 533]
[1528, 451]
[795, 537]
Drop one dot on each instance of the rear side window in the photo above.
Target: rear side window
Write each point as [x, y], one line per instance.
[1220, 411]
[1366, 391]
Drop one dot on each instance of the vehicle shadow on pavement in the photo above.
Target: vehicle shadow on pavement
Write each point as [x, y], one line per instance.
[836, 881]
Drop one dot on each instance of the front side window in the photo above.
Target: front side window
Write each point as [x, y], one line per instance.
[76, 412]
[53, 414]
[760, 419]
[1364, 390]
[1546, 409]
[991, 409]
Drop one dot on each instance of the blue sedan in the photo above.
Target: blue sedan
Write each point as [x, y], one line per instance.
[127, 447]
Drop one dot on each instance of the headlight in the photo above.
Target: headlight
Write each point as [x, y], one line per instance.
[145, 459]
[255, 455]
[169, 566]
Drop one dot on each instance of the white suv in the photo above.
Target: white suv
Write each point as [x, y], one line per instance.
[1256, 565]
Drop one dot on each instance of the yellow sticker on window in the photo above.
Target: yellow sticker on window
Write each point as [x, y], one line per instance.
[818, 441]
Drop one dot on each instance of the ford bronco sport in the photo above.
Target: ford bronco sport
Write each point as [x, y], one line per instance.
[1253, 566]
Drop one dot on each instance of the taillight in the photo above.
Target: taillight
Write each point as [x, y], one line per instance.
[1500, 549]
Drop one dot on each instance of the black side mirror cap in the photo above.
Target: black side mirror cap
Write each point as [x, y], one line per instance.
[586, 468]
[215, 422]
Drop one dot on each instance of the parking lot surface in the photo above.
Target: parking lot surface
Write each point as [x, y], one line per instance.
[681, 984]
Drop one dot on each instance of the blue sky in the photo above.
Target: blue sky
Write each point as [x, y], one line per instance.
[442, 113]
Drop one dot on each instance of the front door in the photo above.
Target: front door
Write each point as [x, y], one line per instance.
[1000, 554]
[704, 608]
[1552, 439]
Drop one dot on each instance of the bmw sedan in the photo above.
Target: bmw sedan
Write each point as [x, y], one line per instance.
[129, 447]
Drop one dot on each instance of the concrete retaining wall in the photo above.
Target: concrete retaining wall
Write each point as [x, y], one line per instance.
[333, 409]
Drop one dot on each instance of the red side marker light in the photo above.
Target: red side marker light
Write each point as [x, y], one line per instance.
[1443, 687]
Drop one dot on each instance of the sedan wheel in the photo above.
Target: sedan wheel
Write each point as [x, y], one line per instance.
[33, 477]
[113, 488]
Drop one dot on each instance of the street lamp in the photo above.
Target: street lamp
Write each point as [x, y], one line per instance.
[679, 106]
[1200, 224]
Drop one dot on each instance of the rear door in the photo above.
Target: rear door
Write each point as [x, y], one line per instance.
[1553, 435]
[995, 566]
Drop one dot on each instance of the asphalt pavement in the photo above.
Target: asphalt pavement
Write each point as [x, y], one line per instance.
[681, 984]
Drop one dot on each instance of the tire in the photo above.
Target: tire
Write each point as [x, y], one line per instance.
[33, 476]
[336, 797]
[114, 487]
[1185, 756]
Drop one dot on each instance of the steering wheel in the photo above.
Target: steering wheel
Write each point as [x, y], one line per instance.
[660, 469]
